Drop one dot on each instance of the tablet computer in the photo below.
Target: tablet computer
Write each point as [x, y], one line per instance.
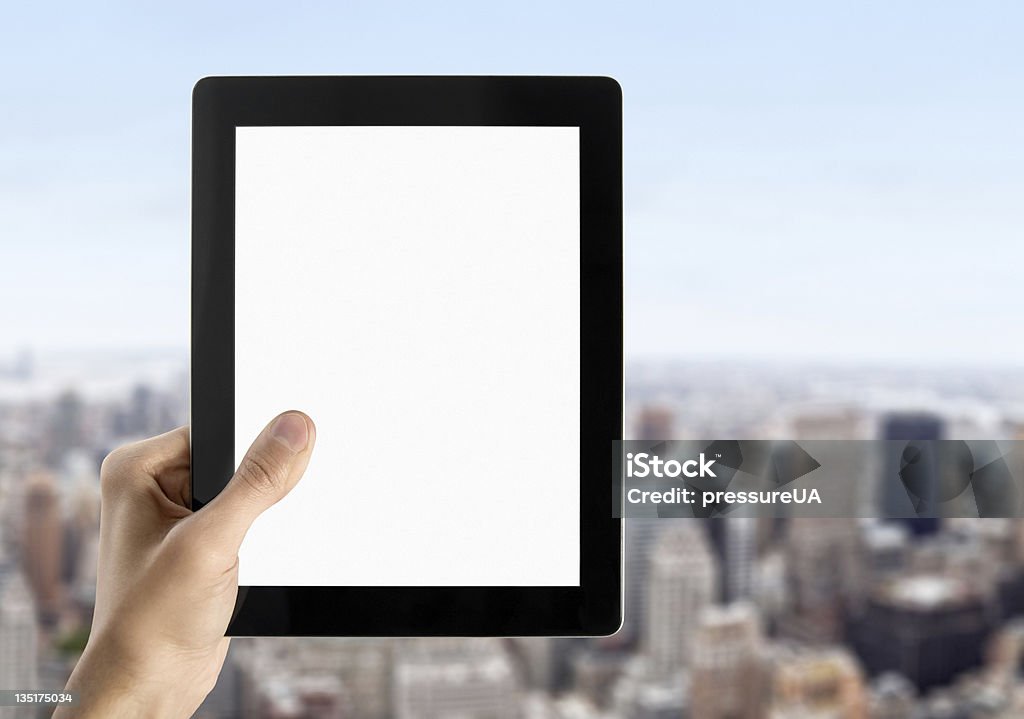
[431, 268]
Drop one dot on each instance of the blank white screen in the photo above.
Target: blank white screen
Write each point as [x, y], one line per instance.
[416, 291]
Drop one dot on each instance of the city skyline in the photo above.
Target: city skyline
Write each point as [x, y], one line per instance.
[751, 618]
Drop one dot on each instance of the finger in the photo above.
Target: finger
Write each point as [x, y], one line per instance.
[164, 458]
[171, 467]
[269, 470]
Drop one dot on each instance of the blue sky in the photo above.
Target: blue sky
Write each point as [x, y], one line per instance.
[803, 180]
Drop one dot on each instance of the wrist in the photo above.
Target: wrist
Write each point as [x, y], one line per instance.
[107, 687]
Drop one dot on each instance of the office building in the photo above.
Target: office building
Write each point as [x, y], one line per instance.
[18, 634]
[894, 500]
[821, 556]
[42, 544]
[928, 628]
[651, 423]
[682, 585]
[816, 683]
[728, 670]
[466, 678]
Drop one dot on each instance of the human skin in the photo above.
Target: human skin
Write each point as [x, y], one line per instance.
[167, 577]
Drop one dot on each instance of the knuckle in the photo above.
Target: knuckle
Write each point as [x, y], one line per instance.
[116, 465]
[261, 472]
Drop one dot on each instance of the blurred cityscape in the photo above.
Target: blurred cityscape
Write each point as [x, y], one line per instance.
[725, 618]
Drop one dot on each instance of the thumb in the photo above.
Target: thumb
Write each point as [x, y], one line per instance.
[271, 467]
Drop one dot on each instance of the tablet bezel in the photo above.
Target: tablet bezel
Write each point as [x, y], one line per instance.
[594, 105]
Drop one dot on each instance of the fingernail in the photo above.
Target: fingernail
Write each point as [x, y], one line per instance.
[290, 430]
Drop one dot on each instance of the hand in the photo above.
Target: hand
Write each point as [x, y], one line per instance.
[168, 577]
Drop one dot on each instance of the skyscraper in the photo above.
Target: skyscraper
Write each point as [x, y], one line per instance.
[928, 628]
[83, 549]
[682, 584]
[66, 426]
[42, 544]
[652, 423]
[640, 538]
[18, 636]
[728, 669]
[821, 556]
[895, 501]
[741, 535]
[849, 475]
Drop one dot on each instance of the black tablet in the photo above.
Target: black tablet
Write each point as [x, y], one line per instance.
[431, 268]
